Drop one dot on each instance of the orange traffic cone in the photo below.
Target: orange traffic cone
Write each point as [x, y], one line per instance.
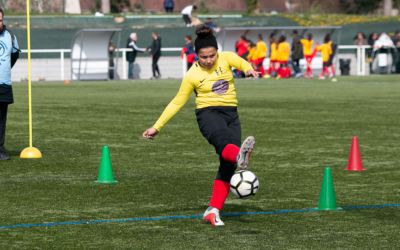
[355, 163]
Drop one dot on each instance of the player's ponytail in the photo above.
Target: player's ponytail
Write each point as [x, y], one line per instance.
[205, 38]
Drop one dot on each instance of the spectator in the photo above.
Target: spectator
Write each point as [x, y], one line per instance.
[155, 51]
[242, 50]
[169, 6]
[131, 55]
[187, 14]
[334, 47]
[360, 39]
[188, 51]
[111, 64]
[396, 42]
[213, 26]
[297, 53]
[371, 41]
[396, 39]
[8, 57]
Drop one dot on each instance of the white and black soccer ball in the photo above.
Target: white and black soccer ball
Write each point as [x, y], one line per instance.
[244, 184]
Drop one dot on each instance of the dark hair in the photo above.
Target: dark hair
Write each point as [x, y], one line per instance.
[362, 34]
[2, 11]
[295, 32]
[327, 38]
[189, 37]
[260, 37]
[194, 7]
[309, 36]
[205, 38]
[282, 38]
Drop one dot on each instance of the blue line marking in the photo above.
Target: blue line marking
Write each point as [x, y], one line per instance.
[195, 216]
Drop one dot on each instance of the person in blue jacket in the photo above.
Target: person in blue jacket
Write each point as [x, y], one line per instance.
[9, 53]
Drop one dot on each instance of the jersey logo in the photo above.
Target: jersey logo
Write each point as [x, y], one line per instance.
[220, 87]
[201, 81]
[3, 48]
[219, 71]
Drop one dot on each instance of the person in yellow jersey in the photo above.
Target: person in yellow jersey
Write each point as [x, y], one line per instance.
[261, 51]
[326, 51]
[211, 80]
[273, 56]
[283, 57]
[252, 56]
[308, 53]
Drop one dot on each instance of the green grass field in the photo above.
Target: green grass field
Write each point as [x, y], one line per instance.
[300, 127]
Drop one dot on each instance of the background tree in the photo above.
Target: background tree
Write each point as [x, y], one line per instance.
[72, 7]
[105, 6]
[360, 6]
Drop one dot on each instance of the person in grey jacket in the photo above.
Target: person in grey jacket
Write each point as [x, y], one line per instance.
[131, 55]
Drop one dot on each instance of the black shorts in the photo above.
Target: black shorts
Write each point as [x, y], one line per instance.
[220, 126]
[327, 64]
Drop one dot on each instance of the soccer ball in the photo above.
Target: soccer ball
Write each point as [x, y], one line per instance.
[244, 184]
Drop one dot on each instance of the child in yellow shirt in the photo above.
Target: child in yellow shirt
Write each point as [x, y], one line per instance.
[283, 57]
[308, 53]
[326, 51]
[273, 56]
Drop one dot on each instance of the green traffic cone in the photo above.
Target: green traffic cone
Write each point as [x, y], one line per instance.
[105, 175]
[327, 198]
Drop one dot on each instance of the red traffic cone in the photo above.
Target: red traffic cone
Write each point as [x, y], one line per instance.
[355, 163]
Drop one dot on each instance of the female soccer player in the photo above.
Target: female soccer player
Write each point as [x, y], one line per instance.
[308, 53]
[211, 80]
[283, 57]
[326, 52]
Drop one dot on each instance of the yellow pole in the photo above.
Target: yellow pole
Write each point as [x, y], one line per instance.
[29, 152]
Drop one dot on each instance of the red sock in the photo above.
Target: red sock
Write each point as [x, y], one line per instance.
[333, 70]
[230, 152]
[219, 194]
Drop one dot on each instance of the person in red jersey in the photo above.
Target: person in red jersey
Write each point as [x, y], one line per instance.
[242, 48]
[211, 80]
[188, 52]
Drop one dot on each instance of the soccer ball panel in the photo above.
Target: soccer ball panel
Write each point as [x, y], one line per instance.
[235, 180]
[248, 176]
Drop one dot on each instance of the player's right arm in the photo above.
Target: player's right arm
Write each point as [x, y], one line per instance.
[172, 108]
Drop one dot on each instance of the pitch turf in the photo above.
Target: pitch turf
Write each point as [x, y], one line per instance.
[300, 127]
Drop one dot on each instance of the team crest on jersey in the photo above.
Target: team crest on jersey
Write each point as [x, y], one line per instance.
[3, 48]
[220, 87]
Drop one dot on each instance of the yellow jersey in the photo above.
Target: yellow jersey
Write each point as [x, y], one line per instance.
[212, 87]
[252, 54]
[261, 49]
[326, 51]
[307, 46]
[274, 52]
[283, 51]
